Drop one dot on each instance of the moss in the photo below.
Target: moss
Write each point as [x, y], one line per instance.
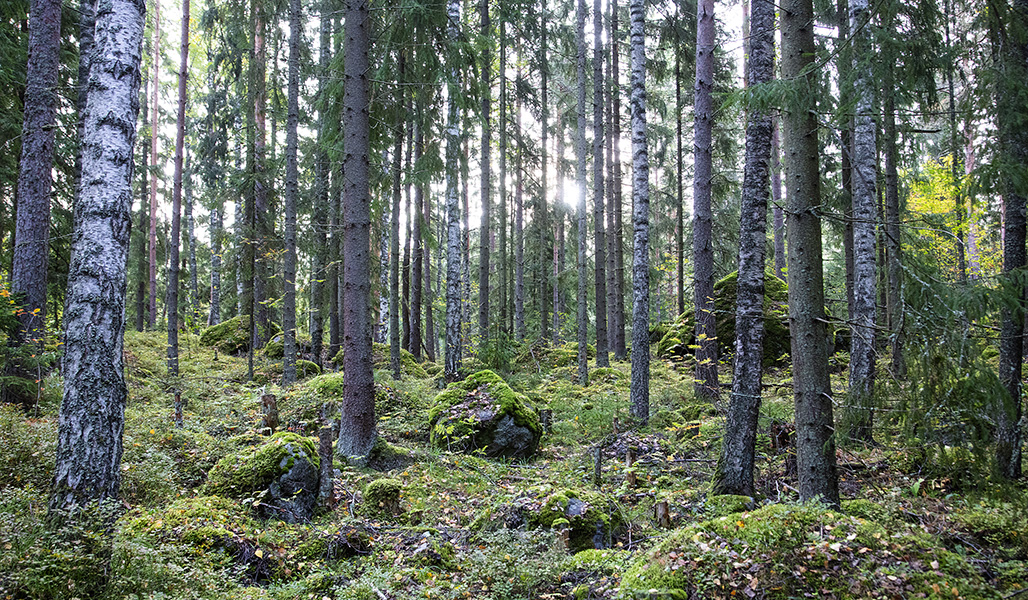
[204, 522]
[243, 473]
[452, 422]
[409, 365]
[386, 457]
[787, 551]
[231, 336]
[586, 513]
[275, 349]
[381, 498]
[608, 562]
[726, 504]
[866, 509]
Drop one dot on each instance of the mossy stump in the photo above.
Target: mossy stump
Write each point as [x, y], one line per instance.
[381, 499]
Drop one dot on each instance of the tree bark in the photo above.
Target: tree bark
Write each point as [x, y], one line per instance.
[734, 474]
[542, 214]
[893, 242]
[484, 231]
[502, 266]
[92, 417]
[394, 252]
[620, 349]
[702, 226]
[640, 384]
[151, 321]
[815, 443]
[357, 428]
[292, 195]
[453, 262]
[320, 209]
[417, 266]
[35, 180]
[519, 221]
[602, 354]
[776, 200]
[583, 326]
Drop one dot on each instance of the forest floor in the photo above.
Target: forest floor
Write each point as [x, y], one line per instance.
[917, 519]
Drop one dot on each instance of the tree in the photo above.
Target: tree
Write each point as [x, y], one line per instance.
[640, 386]
[815, 440]
[453, 283]
[614, 236]
[151, 321]
[357, 428]
[176, 198]
[519, 216]
[32, 230]
[583, 327]
[92, 417]
[321, 181]
[735, 465]
[394, 246]
[292, 194]
[486, 169]
[864, 215]
[602, 358]
[702, 225]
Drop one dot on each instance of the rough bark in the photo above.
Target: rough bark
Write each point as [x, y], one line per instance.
[542, 214]
[453, 324]
[600, 271]
[860, 413]
[92, 417]
[176, 197]
[620, 349]
[394, 241]
[320, 212]
[35, 179]
[502, 202]
[291, 197]
[583, 325]
[484, 231]
[357, 428]
[679, 187]
[734, 474]
[519, 221]
[776, 200]
[417, 266]
[640, 385]
[262, 230]
[815, 440]
[702, 225]
[151, 320]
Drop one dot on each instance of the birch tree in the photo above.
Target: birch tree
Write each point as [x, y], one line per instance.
[640, 385]
[453, 283]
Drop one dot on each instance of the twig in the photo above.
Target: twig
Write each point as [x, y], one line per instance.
[379, 593]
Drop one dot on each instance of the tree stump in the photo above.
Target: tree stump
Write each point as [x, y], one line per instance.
[269, 406]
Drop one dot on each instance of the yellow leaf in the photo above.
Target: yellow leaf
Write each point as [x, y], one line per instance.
[258, 553]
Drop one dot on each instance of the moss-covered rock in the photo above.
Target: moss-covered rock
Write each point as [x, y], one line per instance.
[591, 518]
[482, 413]
[679, 335]
[381, 498]
[726, 504]
[282, 474]
[231, 336]
[409, 366]
[790, 551]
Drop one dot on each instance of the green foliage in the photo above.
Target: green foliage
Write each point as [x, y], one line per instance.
[382, 498]
[586, 513]
[28, 446]
[409, 366]
[231, 336]
[241, 474]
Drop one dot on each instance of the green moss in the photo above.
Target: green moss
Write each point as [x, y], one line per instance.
[449, 421]
[275, 349]
[585, 512]
[797, 550]
[409, 365]
[246, 472]
[726, 504]
[381, 498]
[203, 522]
[231, 336]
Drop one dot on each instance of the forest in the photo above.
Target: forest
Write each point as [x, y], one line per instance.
[328, 299]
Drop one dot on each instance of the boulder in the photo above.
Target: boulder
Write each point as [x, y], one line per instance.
[482, 413]
[590, 517]
[231, 336]
[282, 474]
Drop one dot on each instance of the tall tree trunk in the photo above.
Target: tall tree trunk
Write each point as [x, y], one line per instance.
[176, 197]
[406, 301]
[142, 248]
[262, 228]
[862, 319]
[453, 324]
[702, 225]
[417, 268]
[776, 199]
[679, 176]
[190, 240]
[394, 251]
[32, 229]
[583, 324]
[357, 428]
[1012, 54]
[427, 292]
[541, 215]
[815, 440]
[502, 266]
[734, 474]
[154, 167]
[334, 259]
[617, 235]
[558, 243]
[519, 221]
[640, 385]
[321, 175]
[92, 417]
[954, 163]
[602, 353]
[486, 185]
[893, 242]
[292, 195]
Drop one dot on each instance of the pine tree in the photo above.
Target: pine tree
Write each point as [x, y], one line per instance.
[176, 198]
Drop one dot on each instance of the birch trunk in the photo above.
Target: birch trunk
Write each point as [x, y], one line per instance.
[620, 349]
[92, 417]
[640, 385]
[453, 324]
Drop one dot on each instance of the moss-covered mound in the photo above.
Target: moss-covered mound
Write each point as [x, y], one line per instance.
[482, 413]
[401, 413]
[592, 519]
[273, 371]
[409, 366]
[680, 334]
[794, 551]
[231, 336]
[284, 471]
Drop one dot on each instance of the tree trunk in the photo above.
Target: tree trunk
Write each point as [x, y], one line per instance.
[453, 324]
[484, 231]
[190, 239]
[734, 474]
[141, 250]
[154, 167]
[583, 325]
[427, 293]
[176, 198]
[357, 428]
[32, 229]
[558, 243]
[860, 417]
[620, 349]
[394, 252]
[502, 266]
[92, 417]
[602, 355]
[640, 385]
[292, 195]
[776, 199]
[541, 215]
[405, 342]
[893, 241]
[702, 226]
[417, 268]
[519, 221]
[679, 179]
[815, 440]
[261, 224]
[321, 175]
